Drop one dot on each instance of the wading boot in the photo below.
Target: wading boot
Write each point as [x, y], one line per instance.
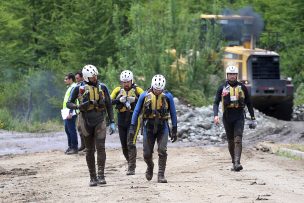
[101, 160]
[231, 152]
[101, 180]
[93, 182]
[149, 171]
[161, 169]
[237, 153]
[90, 158]
[132, 160]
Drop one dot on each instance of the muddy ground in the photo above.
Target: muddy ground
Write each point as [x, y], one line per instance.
[33, 168]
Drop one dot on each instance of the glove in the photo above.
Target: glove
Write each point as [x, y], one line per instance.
[131, 99]
[253, 123]
[173, 134]
[132, 130]
[123, 99]
[112, 128]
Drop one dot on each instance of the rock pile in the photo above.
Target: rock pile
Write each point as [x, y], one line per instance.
[298, 113]
[195, 124]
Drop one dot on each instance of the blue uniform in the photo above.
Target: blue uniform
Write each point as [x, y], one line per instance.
[155, 126]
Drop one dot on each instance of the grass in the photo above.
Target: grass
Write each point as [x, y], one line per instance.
[295, 147]
[287, 155]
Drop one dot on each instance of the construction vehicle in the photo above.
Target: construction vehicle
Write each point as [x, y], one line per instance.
[259, 69]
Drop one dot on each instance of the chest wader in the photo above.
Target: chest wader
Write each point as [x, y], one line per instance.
[233, 100]
[93, 126]
[156, 114]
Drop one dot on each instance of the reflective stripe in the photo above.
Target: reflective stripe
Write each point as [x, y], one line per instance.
[137, 130]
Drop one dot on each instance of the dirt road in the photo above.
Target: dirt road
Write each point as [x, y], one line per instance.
[195, 174]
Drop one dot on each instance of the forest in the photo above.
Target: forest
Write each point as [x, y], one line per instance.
[42, 41]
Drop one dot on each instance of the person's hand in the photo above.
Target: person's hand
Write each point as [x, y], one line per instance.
[173, 134]
[69, 116]
[112, 128]
[216, 120]
[131, 99]
[81, 106]
[123, 99]
[253, 123]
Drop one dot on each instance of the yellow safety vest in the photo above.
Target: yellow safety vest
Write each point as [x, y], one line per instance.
[67, 95]
[93, 95]
[233, 97]
[118, 92]
[156, 106]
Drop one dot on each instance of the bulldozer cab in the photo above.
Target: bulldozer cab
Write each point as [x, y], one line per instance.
[235, 29]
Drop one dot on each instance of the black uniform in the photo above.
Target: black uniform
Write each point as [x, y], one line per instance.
[233, 116]
[124, 115]
[93, 124]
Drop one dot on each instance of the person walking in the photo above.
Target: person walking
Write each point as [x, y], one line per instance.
[125, 98]
[157, 106]
[94, 103]
[234, 97]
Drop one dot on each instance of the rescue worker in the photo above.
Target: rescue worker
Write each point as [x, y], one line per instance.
[94, 101]
[125, 98]
[234, 97]
[157, 106]
[79, 80]
[70, 118]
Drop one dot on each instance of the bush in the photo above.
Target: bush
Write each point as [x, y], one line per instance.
[299, 96]
[8, 122]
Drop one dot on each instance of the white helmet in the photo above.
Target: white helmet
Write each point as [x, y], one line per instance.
[89, 71]
[232, 69]
[158, 82]
[126, 76]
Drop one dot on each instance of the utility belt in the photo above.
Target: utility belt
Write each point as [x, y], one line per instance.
[98, 106]
[235, 106]
[122, 109]
[156, 114]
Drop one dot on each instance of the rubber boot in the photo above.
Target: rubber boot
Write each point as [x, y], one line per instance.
[162, 160]
[93, 182]
[132, 160]
[231, 151]
[90, 158]
[101, 161]
[150, 167]
[237, 153]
